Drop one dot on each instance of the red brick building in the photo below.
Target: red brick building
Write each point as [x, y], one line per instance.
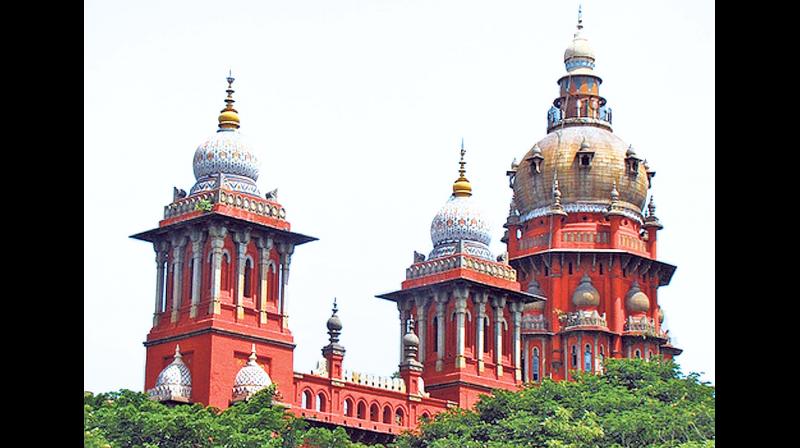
[578, 282]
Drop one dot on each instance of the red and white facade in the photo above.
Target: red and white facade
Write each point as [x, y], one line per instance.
[578, 283]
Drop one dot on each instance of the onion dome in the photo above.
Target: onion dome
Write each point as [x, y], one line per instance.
[410, 344]
[174, 383]
[460, 221]
[334, 323]
[586, 294]
[250, 379]
[226, 153]
[637, 301]
[534, 288]
[581, 189]
[579, 55]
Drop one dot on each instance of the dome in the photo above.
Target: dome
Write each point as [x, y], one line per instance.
[250, 379]
[637, 301]
[534, 288]
[582, 189]
[586, 294]
[460, 219]
[226, 153]
[660, 315]
[579, 48]
[174, 382]
[410, 340]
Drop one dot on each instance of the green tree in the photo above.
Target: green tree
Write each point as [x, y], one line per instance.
[636, 403]
[129, 419]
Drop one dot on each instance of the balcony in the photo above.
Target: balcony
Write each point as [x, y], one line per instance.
[581, 318]
[642, 326]
[535, 323]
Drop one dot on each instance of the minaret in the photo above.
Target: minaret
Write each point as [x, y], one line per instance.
[580, 236]
[334, 352]
[222, 266]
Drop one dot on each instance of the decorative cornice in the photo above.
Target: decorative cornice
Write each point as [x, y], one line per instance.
[580, 207]
[443, 264]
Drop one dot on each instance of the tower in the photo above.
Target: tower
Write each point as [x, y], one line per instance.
[223, 253]
[468, 306]
[577, 234]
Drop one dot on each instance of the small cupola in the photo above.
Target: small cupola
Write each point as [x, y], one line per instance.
[584, 155]
[632, 162]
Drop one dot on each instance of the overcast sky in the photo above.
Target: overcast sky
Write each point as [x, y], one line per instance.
[356, 110]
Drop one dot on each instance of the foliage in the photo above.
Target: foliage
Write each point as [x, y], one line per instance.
[636, 403]
[129, 419]
[204, 205]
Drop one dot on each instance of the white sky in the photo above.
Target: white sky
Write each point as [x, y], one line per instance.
[357, 109]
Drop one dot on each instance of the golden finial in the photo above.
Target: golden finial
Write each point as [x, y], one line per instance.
[462, 187]
[229, 117]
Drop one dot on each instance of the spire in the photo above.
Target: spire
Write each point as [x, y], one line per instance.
[334, 325]
[580, 19]
[229, 117]
[410, 343]
[253, 357]
[178, 356]
[614, 208]
[556, 208]
[462, 187]
[652, 220]
[614, 193]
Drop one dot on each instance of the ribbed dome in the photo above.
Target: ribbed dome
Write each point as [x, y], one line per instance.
[636, 301]
[586, 294]
[582, 188]
[174, 382]
[460, 220]
[250, 379]
[227, 153]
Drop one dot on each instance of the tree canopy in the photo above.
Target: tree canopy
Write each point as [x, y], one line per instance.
[636, 403]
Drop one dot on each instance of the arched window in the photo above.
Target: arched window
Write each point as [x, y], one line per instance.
[321, 404]
[535, 364]
[587, 358]
[600, 358]
[601, 268]
[637, 354]
[574, 356]
[649, 355]
[348, 408]
[248, 276]
[399, 417]
[435, 334]
[361, 412]
[387, 415]
[424, 416]
[305, 401]
[373, 412]
[189, 280]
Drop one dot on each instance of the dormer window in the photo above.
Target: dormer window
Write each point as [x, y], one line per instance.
[584, 155]
[631, 162]
[536, 159]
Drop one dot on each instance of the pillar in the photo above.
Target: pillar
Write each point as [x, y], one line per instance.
[178, 243]
[460, 297]
[160, 247]
[480, 308]
[264, 245]
[516, 320]
[403, 311]
[421, 302]
[498, 303]
[241, 238]
[440, 298]
[285, 250]
[216, 233]
[197, 236]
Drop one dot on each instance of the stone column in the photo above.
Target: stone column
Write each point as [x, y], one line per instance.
[403, 311]
[197, 236]
[241, 237]
[498, 303]
[516, 320]
[480, 308]
[421, 301]
[528, 362]
[440, 298]
[285, 250]
[217, 233]
[460, 296]
[178, 242]
[264, 245]
[160, 247]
